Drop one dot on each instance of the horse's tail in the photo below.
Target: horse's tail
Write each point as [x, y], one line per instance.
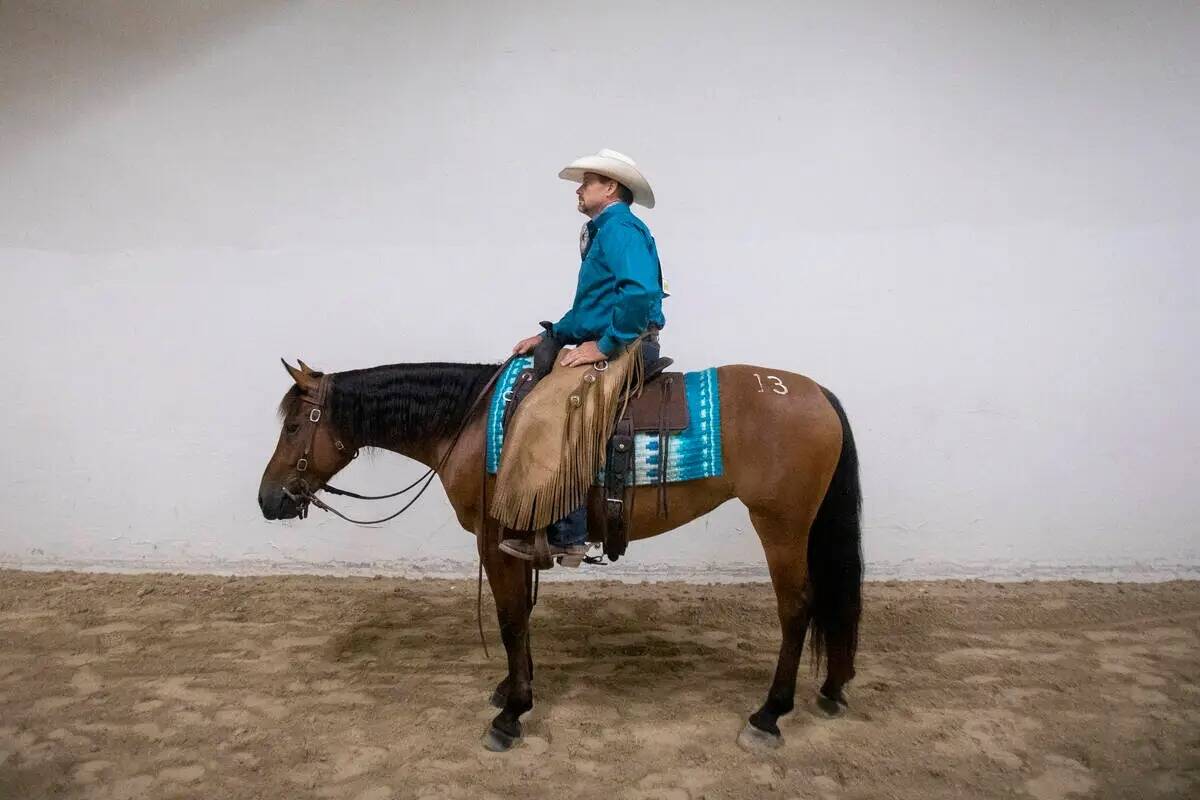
[835, 563]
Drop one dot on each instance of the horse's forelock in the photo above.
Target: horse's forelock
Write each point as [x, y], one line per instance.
[287, 406]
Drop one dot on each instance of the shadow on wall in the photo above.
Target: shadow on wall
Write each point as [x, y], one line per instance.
[62, 60]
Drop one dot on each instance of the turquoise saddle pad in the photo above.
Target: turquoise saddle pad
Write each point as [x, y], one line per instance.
[694, 452]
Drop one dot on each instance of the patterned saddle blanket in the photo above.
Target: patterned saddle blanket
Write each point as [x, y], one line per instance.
[693, 453]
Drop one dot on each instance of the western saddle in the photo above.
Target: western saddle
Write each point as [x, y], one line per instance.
[660, 409]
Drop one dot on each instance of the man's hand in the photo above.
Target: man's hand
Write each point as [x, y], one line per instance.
[586, 353]
[526, 345]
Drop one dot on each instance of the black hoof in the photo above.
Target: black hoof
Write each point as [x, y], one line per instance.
[498, 699]
[764, 721]
[498, 741]
[833, 707]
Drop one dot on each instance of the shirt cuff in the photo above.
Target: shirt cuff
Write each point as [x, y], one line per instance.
[609, 345]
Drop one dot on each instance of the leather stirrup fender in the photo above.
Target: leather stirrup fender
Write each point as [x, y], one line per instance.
[617, 470]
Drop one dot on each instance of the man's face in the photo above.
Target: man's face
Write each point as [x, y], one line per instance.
[595, 193]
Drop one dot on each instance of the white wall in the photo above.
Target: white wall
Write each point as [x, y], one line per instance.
[975, 222]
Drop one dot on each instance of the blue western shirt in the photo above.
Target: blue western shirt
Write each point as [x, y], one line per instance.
[620, 291]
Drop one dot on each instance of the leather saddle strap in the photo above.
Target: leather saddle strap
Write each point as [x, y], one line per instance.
[664, 445]
[483, 545]
[544, 356]
[541, 550]
[620, 462]
[523, 387]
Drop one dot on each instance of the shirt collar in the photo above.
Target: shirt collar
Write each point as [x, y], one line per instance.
[612, 210]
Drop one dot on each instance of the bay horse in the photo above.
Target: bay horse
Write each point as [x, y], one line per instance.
[788, 455]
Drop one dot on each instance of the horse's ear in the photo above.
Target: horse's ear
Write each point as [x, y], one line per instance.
[307, 369]
[303, 379]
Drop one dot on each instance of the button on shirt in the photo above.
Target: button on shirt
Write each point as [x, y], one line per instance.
[620, 292]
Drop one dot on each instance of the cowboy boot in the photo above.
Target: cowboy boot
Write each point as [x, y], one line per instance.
[571, 529]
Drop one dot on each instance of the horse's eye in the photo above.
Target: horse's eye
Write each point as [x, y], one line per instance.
[291, 427]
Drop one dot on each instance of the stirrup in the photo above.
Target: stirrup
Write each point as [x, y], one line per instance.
[574, 560]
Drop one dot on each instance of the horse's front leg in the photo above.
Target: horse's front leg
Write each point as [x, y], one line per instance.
[509, 580]
[500, 693]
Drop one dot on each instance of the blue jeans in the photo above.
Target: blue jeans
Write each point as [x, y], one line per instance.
[572, 529]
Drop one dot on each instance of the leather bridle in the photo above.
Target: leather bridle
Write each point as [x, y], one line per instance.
[316, 402]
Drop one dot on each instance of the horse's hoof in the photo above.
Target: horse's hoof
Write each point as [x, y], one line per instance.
[498, 741]
[831, 707]
[498, 699]
[754, 740]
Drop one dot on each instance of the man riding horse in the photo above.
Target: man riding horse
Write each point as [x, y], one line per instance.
[775, 440]
[618, 298]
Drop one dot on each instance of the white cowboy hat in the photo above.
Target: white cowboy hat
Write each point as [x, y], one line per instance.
[617, 166]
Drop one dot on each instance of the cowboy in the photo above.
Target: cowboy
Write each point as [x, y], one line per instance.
[617, 299]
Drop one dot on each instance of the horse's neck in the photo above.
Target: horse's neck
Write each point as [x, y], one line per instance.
[460, 465]
[431, 452]
[428, 453]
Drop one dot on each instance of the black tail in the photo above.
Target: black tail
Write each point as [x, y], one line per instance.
[835, 563]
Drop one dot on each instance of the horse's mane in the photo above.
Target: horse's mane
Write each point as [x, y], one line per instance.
[404, 403]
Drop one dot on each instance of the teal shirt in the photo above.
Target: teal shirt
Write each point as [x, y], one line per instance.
[620, 291]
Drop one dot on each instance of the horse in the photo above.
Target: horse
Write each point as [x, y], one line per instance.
[788, 455]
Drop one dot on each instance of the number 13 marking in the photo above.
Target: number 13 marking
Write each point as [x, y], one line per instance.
[778, 388]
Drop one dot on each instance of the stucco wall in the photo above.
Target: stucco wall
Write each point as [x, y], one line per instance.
[977, 224]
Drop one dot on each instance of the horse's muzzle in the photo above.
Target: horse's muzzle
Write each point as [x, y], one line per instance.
[276, 503]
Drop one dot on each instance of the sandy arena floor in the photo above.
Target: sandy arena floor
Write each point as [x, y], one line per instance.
[164, 686]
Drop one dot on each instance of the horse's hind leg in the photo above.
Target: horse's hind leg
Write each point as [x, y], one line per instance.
[840, 665]
[785, 548]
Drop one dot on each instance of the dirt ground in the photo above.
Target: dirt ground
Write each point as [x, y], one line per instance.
[164, 686]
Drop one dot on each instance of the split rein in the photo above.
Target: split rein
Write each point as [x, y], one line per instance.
[305, 495]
